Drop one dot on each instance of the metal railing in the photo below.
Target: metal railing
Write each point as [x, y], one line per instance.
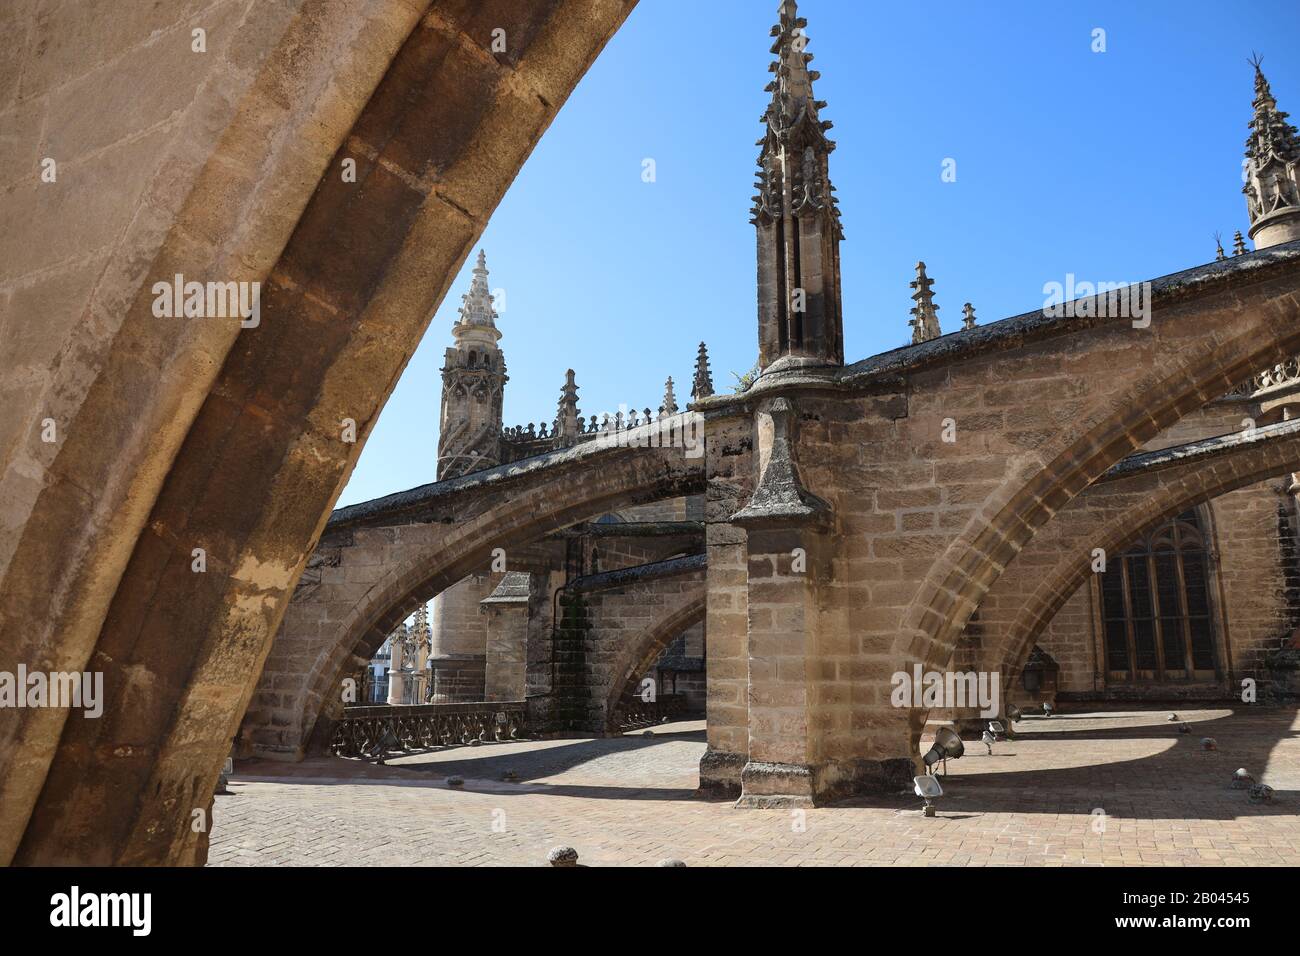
[375, 731]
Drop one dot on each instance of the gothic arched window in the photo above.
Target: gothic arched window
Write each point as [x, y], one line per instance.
[1155, 604]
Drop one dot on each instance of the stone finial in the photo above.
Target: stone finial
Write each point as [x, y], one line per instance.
[968, 316]
[702, 386]
[1218, 248]
[568, 418]
[1272, 186]
[925, 317]
[1238, 244]
[670, 399]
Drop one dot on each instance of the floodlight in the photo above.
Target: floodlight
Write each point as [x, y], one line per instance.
[1013, 712]
[946, 744]
[1048, 709]
[988, 739]
[1171, 718]
[1241, 779]
[927, 788]
[997, 730]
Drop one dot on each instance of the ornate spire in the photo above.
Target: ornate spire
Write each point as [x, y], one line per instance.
[567, 416]
[968, 316]
[798, 224]
[1272, 169]
[476, 304]
[925, 317]
[1238, 244]
[669, 407]
[473, 385]
[1218, 248]
[702, 386]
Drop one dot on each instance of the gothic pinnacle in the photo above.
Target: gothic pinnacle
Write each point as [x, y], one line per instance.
[925, 318]
[476, 304]
[1238, 244]
[800, 317]
[567, 417]
[1218, 248]
[1272, 172]
[968, 316]
[702, 386]
[669, 406]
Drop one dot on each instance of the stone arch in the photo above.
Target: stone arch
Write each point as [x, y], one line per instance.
[1153, 501]
[236, 446]
[642, 651]
[429, 539]
[1262, 313]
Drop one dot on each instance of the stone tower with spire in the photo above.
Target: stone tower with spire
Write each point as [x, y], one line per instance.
[473, 383]
[799, 315]
[1272, 170]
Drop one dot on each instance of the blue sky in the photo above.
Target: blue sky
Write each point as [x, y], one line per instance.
[1114, 166]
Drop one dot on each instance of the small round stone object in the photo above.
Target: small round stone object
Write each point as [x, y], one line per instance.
[670, 863]
[647, 733]
[1209, 743]
[509, 775]
[1241, 779]
[455, 781]
[562, 856]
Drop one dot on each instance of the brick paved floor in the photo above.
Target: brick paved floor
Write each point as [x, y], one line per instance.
[630, 801]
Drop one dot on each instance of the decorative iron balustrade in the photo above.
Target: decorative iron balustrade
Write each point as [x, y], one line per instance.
[375, 731]
[642, 713]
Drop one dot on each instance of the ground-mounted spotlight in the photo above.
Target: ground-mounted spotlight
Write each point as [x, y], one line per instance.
[927, 788]
[997, 730]
[1171, 718]
[1048, 709]
[1013, 712]
[1209, 743]
[1184, 728]
[989, 740]
[946, 744]
[1241, 779]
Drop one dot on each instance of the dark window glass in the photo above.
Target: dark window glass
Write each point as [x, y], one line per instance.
[1112, 595]
[1156, 605]
[1116, 645]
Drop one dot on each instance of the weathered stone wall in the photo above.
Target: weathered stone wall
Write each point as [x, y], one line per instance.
[730, 465]
[460, 638]
[1072, 639]
[506, 655]
[937, 476]
[1254, 533]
